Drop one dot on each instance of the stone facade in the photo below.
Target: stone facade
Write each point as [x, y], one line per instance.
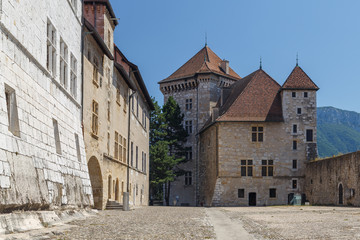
[109, 80]
[42, 155]
[334, 181]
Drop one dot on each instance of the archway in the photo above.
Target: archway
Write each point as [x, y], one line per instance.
[117, 190]
[109, 186]
[96, 182]
[341, 194]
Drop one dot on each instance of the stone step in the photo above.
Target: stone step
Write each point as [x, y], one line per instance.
[114, 207]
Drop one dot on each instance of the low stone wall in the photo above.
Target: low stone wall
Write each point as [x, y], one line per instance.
[334, 181]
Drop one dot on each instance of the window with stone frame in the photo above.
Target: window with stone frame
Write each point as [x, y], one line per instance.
[137, 157]
[12, 111]
[188, 126]
[144, 118]
[144, 166]
[132, 154]
[64, 69]
[309, 135]
[246, 168]
[305, 94]
[257, 134]
[293, 94]
[95, 118]
[189, 153]
[108, 144]
[96, 72]
[241, 193]
[188, 178]
[272, 192]
[294, 146]
[294, 164]
[57, 137]
[298, 111]
[126, 100]
[294, 128]
[108, 115]
[124, 150]
[267, 168]
[118, 95]
[118, 147]
[188, 105]
[137, 106]
[294, 183]
[77, 144]
[73, 76]
[51, 48]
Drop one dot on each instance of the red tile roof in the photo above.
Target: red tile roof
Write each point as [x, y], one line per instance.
[205, 61]
[298, 79]
[256, 97]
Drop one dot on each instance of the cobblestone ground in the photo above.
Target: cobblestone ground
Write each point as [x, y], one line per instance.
[305, 222]
[143, 223]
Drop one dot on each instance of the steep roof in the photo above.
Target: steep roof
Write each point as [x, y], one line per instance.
[298, 79]
[205, 61]
[256, 97]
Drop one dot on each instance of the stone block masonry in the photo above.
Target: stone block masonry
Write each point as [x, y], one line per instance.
[41, 166]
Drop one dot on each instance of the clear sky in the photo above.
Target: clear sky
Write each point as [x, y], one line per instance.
[161, 35]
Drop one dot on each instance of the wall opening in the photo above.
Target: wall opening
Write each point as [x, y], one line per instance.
[117, 190]
[252, 199]
[109, 187]
[341, 194]
[96, 182]
[57, 137]
[12, 111]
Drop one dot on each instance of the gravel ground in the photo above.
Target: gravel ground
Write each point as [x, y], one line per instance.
[143, 223]
[305, 222]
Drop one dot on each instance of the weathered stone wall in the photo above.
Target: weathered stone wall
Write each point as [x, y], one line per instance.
[32, 174]
[324, 177]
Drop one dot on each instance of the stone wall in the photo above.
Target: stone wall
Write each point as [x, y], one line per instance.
[33, 173]
[325, 177]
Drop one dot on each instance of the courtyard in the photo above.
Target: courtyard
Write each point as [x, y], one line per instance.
[273, 222]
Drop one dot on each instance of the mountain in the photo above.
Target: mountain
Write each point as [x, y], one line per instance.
[338, 131]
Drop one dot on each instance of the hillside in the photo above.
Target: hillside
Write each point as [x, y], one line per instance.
[338, 131]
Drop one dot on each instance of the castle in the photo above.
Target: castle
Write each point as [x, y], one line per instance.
[250, 137]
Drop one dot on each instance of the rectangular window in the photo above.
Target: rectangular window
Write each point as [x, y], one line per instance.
[272, 192]
[124, 150]
[145, 162]
[305, 94]
[137, 157]
[189, 154]
[246, 168]
[257, 134]
[293, 94]
[267, 168]
[294, 145]
[132, 103]
[116, 146]
[294, 184]
[12, 111]
[96, 72]
[51, 49]
[108, 111]
[298, 110]
[309, 135]
[188, 104]
[118, 96]
[57, 137]
[73, 76]
[108, 144]
[63, 63]
[188, 127]
[77, 144]
[294, 128]
[241, 193]
[137, 106]
[132, 154]
[188, 178]
[95, 118]
[294, 164]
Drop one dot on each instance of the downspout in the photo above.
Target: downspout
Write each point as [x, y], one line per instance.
[197, 143]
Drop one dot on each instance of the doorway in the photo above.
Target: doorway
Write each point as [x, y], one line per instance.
[341, 194]
[252, 199]
[117, 190]
[290, 198]
[96, 182]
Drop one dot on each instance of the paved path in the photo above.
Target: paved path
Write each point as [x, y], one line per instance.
[226, 228]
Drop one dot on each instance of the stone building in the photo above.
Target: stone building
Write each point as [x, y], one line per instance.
[255, 146]
[42, 155]
[196, 87]
[334, 181]
[110, 81]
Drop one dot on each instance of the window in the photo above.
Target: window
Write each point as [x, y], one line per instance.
[108, 111]
[57, 137]
[137, 157]
[73, 76]
[188, 104]
[293, 94]
[77, 144]
[126, 99]
[298, 110]
[132, 154]
[294, 184]
[108, 144]
[51, 49]
[189, 154]
[267, 168]
[309, 135]
[294, 164]
[305, 94]
[257, 134]
[118, 147]
[12, 111]
[188, 127]
[246, 168]
[118, 96]
[188, 178]
[272, 192]
[294, 128]
[132, 103]
[63, 64]
[144, 162]
[144, 119]
[95, 118]
[294, 145]
[241, 193]
[137, 106]
[96, 72]
[124, 150]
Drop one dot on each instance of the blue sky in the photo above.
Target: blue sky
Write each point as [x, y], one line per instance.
[161, 35]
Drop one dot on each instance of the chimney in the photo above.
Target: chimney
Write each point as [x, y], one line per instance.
[225, 66]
